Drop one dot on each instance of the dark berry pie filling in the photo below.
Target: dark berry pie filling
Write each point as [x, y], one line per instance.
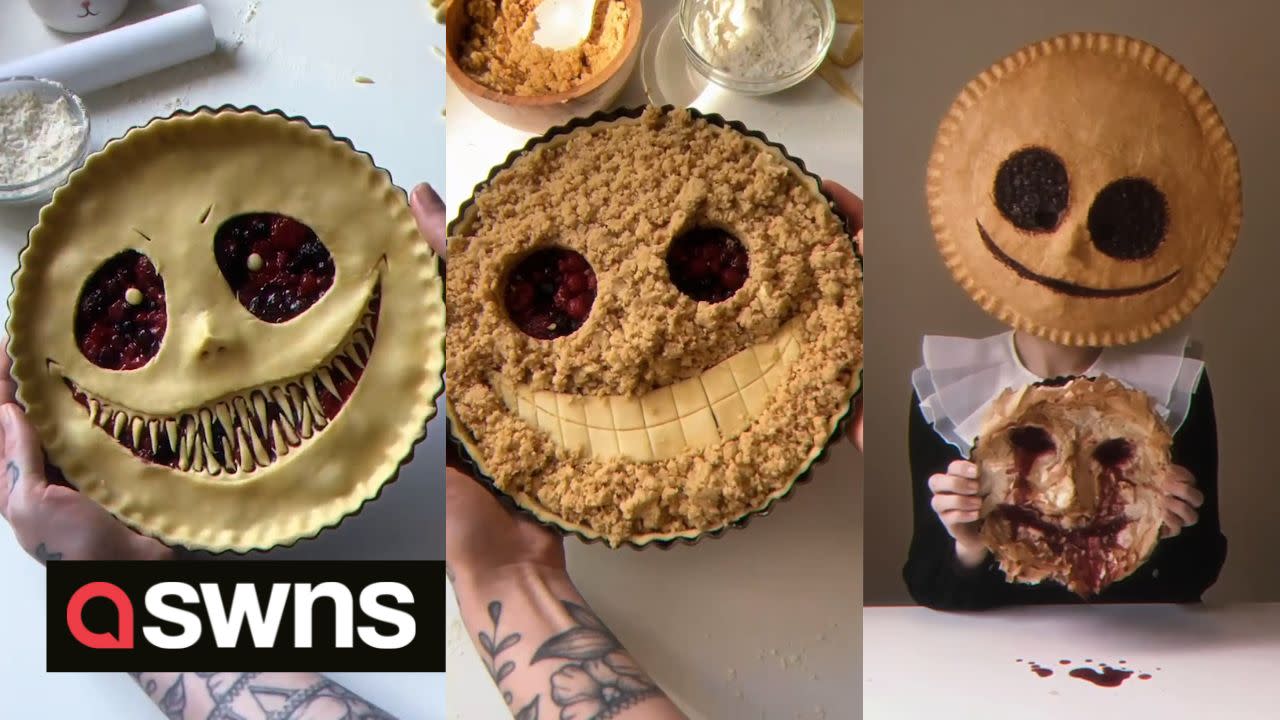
[708, 264]
[549, 293]
[275, 265]
[121, 316]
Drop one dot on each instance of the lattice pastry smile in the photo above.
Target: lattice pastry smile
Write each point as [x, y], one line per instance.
[707, 409]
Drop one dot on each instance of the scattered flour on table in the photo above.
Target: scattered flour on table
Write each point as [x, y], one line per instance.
[251, 10]
[756, 39]
[38, 134]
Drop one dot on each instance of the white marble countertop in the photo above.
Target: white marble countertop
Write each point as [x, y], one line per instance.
[1204, 662]
[301, 56]
[763, 622]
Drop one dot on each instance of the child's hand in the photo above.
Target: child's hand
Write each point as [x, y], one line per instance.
[1181, 499]
[957, 502]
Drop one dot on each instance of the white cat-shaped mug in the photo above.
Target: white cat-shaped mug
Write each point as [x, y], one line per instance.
[78, 16]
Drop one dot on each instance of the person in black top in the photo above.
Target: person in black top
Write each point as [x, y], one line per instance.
[948, 568]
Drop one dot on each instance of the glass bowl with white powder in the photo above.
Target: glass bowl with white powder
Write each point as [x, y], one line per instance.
[44, 135]
[757, 46]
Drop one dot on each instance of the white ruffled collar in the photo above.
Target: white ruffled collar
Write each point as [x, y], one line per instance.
[961, 376]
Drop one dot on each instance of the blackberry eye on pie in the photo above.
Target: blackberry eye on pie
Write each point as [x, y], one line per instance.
[233, 361]
[654, 326]
[1072, 474]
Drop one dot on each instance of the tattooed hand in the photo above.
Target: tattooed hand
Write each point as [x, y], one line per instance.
[52, 521]
[548, 653]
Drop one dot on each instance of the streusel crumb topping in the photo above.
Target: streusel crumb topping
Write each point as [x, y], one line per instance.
[619, 193]
[499, 51]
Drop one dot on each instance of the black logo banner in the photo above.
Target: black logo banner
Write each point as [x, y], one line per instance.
[378, 616]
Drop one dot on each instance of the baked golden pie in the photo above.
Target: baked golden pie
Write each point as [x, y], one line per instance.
[654, 325]
[227, 330]
[1072, 473]
[1085, 190]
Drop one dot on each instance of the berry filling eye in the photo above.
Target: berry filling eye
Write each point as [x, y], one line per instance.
[549, 293]
[708, 264]
[1032, 190]
[121, 317]
[276, 266]
[1113, 452]
[1128, 219]
[1029, 442]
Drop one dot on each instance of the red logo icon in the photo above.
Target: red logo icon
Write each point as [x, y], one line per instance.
[123, 639]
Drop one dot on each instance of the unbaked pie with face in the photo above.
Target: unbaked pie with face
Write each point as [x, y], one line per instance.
[654, 325]
[227, 330]
[1072, 472]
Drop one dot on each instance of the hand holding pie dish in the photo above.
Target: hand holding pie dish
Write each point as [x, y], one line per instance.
[654, 325]
[1073, 474]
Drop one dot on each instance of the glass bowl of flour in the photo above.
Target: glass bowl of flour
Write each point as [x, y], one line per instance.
[757, 46]
[44, 135]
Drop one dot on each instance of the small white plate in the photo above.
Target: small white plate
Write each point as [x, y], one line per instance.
[668, 77]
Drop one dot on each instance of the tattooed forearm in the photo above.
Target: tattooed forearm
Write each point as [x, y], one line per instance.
[596, 678]
[254, 696]
[593, 677]
[493, 646]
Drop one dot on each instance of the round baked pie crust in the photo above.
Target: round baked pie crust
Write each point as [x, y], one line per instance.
[472, 453]
[969, 131]
[348, 201]
[1107, 408]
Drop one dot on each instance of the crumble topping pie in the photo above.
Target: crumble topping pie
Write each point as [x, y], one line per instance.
[654, 326]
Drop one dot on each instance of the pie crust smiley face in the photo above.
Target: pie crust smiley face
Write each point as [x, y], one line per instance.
[654, 326]
[1084, 189]
[1071, 473]
[227, 330]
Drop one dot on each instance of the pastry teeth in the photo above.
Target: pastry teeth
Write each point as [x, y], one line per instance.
[250, 430]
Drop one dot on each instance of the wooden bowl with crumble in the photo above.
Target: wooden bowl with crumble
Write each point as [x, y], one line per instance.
[491, 55]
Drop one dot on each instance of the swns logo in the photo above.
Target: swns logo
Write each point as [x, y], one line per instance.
[380, 616]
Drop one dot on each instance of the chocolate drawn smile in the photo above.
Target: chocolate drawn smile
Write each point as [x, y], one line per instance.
[1063, 286]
